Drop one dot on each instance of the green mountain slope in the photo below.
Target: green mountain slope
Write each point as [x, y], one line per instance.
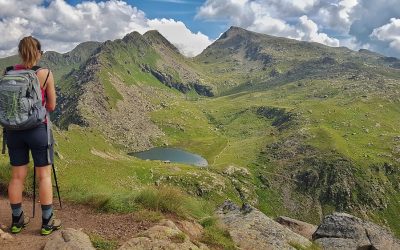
[8, 61]
[245, 60]
[65, 63]
[135, 75]
[335, 112]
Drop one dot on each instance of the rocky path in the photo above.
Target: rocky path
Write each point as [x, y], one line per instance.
[217, 156]
[115, 227]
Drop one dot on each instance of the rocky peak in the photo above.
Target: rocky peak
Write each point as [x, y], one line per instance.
[240, 34]
[132, 37]
[156, 39]
[368, 52]
[233, 40]
[234, 31]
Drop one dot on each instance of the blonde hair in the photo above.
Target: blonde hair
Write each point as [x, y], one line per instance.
[29, 50]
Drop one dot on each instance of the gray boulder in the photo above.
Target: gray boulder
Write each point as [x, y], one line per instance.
[338, 244]
[251, 229]
[165, 235]
[344, 231]
[69, 239]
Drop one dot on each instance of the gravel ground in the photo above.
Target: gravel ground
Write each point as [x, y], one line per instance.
[117, 227]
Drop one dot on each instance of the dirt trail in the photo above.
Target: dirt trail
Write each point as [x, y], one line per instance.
[118, 227]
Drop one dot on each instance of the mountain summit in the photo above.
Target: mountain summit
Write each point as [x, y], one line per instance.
[156, 39]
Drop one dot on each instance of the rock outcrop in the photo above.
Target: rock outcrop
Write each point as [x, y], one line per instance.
[165, 235]
[69, 239]
[251, 229]
[304, 229]
[344, 231]
[192, 229]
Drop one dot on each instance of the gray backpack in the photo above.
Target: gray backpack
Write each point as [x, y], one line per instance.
[21, 100]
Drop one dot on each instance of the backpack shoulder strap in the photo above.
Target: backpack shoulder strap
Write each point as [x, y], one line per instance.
[3, 149]
[45, 81]
[9, 68]
[36, 68]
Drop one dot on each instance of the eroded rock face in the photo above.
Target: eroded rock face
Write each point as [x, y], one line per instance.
[166, 235]
[69, 239]
[299, 227]
[193, 229]
[344, 231]
[251, 229]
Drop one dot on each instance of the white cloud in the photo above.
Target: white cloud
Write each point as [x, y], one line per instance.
[390, 33]
[370, 18]
[273, 26]
[337, 16]
[290, 8]
[12, 28]
[309, 31]
[269, 17]
[236, 11]
[351, 43]
[301, 5]
[177, 33]
[173, 1]
[61, 27]
[11, 8]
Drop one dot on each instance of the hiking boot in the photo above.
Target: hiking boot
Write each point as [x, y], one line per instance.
[19, 222]
[50, 225]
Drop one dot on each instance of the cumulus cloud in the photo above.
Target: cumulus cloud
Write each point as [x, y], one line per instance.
[390, 33]
[369, 14]
[236, 11]
[309, 29]
[269, 17]
[290, 8]
[369, 25]
[274, 26]
[337, 16]
[177, 33]
[61, 26]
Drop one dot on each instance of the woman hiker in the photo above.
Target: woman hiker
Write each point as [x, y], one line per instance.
[20, 142]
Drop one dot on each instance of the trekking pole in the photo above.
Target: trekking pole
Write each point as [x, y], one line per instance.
[50, 143]
[34, 192]
[55, 180]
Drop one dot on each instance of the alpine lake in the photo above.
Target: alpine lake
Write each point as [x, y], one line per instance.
[171, 155]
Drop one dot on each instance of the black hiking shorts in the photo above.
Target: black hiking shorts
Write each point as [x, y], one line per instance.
[19, 143]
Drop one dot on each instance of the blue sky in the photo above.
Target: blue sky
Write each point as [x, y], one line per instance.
[192, 25]
[183, 10]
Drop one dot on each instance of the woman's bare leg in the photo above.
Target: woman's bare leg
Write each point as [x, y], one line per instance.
[16, 185]
[45, 185]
